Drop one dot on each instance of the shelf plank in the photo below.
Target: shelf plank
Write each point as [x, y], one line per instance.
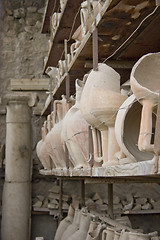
[63, 31]
[141, 212]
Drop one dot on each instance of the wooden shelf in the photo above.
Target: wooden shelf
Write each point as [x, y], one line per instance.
[141, 212]
[63, 30]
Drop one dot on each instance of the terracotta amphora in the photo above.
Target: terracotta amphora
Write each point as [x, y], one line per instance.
[65, 223]
[108, 234]
[71, 229]
[55, 145]
[127, 126]
[138, 236]
[41, 149]
[145, 85]
[75, 132]
[81, 234]
[100, 101]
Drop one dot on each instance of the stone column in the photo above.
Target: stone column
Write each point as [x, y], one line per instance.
[16, 203]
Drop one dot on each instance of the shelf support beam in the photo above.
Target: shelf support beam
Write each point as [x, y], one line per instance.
[110, 200]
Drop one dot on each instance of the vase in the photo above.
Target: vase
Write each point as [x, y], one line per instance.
[41, 149]
[102, 95]
[127, 127]
[66, 222]
[81, 234]
[71, 229]
[75, 132]
[94, 232]
[145, 84]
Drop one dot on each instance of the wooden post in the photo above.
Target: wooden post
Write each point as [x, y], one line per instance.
[66, 71]
[95, 48]
[157, 138]
[82, 193]
[60, 199]
[110, 200]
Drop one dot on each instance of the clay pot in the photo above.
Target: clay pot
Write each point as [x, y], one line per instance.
[62, 67]
[108, 234]
[74, 48]
[75, 132]
[144, 84]
[84, 15]
[81, 234]
[101, 113]
[138, 236]
[65, 223]
[127, 126]
[116, 235]
[71, 229]
[41, 149]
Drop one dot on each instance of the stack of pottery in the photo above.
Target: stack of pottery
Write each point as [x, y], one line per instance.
[88, 18]
[99, 104]
[75, 132]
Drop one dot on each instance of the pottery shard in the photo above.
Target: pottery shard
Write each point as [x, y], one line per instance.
[89, 201]
[40, 197]
[54, 201]
[128, 206]
[137, 207]
[39, 238]
[65, 205]
[141, 201]
[99, 201]
[129, 198]
[54, 189]
[146, 206]
[45, 203]
[96, 197]
[52, 206]
[37, 204]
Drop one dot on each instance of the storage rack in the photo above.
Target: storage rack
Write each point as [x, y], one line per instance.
[120, 36]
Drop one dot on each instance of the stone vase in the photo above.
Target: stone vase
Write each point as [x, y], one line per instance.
[65, 223]
[75, 132]
[102, 95]
[71, 229]
[81, 234]
[144, 84]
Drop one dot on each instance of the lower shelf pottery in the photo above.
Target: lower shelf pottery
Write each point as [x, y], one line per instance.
[81, 234]
[95, 234]
[70, 230]
[108, 234]
[65, 223]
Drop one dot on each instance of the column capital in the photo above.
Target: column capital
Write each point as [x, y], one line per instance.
[30, 98]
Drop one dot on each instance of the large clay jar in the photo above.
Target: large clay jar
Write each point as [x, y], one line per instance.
[124, 235]
[108, 234]
[71, 229]
[55, 145]
[138, 236]
[75, 132]
[145, 83]
[41, 149]
[81, 234]
[100, 102]
[65, 223]
[127, 127]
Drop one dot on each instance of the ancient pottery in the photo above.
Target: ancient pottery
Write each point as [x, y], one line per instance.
[108, 234]
[127, 127]
[65, 223]
[145, 84]
[102, 95]
[81, 234]
[138, 236]
[75, 132]
[71, 229]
